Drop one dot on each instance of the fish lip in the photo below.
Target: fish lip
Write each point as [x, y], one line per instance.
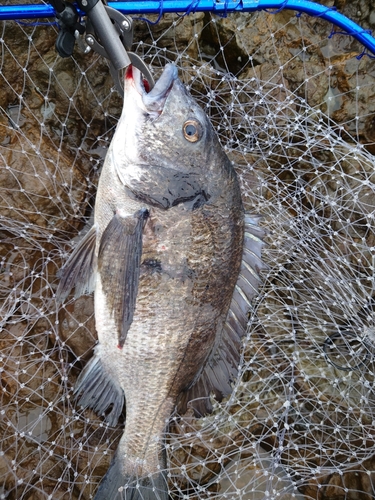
[155, 99]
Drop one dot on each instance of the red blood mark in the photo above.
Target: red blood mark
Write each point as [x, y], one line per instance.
[119, 347]
[162, 247]
[129, 72]
[146, 85]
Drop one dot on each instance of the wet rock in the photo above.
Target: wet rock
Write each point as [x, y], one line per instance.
[175, 33]
[316, 67]
[34, 189]
[354, 484]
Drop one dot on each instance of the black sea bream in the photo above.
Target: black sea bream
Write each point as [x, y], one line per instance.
[173, 261]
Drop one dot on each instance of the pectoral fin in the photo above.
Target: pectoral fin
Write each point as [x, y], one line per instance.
[79, 270]
[119, 264]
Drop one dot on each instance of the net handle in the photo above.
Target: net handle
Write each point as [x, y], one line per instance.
[220, 7]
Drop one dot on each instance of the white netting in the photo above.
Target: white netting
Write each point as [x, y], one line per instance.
[295, 110]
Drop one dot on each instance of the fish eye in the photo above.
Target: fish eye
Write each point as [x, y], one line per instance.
[192, 130]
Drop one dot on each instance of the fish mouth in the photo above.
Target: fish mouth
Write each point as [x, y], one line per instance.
[154, 99]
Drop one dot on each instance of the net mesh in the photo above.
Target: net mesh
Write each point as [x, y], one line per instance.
[294, 109]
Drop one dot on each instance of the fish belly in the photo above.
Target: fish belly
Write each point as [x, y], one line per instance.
[148, 368]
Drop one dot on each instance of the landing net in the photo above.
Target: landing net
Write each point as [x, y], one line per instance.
[295, 110]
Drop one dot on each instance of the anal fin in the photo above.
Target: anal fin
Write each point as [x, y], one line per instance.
[99, 391]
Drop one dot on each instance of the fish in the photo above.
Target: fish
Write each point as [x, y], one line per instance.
[174, 262]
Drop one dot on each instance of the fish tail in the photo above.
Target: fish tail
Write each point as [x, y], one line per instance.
[116, 485]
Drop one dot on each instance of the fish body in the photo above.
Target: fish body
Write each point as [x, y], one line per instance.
[165, 258]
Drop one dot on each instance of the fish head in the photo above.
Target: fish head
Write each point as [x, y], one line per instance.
[164, 131]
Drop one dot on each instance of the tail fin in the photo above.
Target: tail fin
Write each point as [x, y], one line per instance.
[117, 486]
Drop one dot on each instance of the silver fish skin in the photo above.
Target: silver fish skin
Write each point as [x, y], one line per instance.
[173, 261]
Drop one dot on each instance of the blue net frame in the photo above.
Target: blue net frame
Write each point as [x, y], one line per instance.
[220, 7]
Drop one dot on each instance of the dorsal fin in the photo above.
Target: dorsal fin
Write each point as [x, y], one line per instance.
[221, 367]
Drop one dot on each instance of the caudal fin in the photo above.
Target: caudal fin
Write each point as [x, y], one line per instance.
[117, 486]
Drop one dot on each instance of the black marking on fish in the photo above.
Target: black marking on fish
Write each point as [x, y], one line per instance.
[79, 270]
[165, 188]
[100, 391]
[119, 257]
[221, 367]
[153, 264]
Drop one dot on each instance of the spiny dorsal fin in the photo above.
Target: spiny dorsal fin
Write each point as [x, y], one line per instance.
[221, 368]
